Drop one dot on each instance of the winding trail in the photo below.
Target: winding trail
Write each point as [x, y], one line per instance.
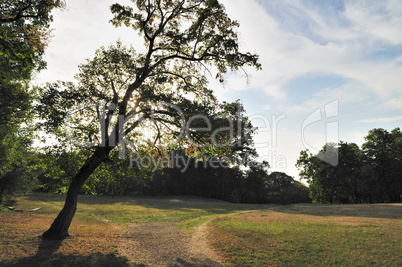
[161, 244]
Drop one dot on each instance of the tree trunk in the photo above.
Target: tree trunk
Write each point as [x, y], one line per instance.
[60, 226]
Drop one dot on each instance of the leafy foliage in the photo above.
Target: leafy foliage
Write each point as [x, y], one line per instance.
[211, 177]
[23, 37]
[368, 175]
[283, 189]
[383, 163]
[17, 171]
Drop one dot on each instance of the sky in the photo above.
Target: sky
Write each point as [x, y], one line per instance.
[331, 70]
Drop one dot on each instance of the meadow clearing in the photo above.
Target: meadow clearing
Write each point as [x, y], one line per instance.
[240, 234]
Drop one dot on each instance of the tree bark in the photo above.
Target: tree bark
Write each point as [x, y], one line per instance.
[60, 226]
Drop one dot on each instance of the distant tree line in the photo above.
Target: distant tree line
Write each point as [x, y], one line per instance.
[370, 174]
[229, 183]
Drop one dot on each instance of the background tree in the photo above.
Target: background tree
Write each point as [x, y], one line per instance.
[349, 177]
[319, 174]
[333, 184]
[383, 152]
[24, 32]
[368, 175]
[17, 166]
[282, 188]
[125, 89]
[254, 185]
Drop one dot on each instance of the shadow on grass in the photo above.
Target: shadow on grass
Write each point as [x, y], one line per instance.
[177, 203]
[215, 206]
[47, 255]
[9, 202]
[197, 262]
[380, 211]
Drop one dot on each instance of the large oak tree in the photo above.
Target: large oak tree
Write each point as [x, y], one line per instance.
[161, 87]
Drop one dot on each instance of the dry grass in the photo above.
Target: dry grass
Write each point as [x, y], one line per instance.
[95, 229]
[300, 234]
[308, 234]
[340, 214]
[94, 243]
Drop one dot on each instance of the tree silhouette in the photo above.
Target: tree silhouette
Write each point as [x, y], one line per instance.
[124, 89]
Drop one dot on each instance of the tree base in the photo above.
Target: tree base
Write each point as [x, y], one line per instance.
[49, 235]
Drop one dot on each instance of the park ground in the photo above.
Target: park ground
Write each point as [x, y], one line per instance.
[192, 231]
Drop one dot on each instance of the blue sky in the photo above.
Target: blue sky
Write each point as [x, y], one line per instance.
[332, 70]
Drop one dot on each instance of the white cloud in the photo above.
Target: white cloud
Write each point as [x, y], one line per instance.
[349, 93]
[376, 20]
[79, 30]
[347, 51]
[374, 120]
[266, 107]
[394, 103]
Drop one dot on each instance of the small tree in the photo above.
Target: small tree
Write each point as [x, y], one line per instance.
[125, 89]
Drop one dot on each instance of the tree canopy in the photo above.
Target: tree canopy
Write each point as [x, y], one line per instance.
[160, 86]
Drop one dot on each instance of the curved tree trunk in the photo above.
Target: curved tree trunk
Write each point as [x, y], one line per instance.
[60, 226]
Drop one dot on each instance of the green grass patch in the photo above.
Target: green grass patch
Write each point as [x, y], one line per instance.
[263, 240]
[189, 225]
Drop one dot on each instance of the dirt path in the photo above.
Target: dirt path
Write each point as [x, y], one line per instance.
[161, 244]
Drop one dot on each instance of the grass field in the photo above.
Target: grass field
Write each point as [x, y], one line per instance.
[260, 235]
[95, 228]
[312, 235]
